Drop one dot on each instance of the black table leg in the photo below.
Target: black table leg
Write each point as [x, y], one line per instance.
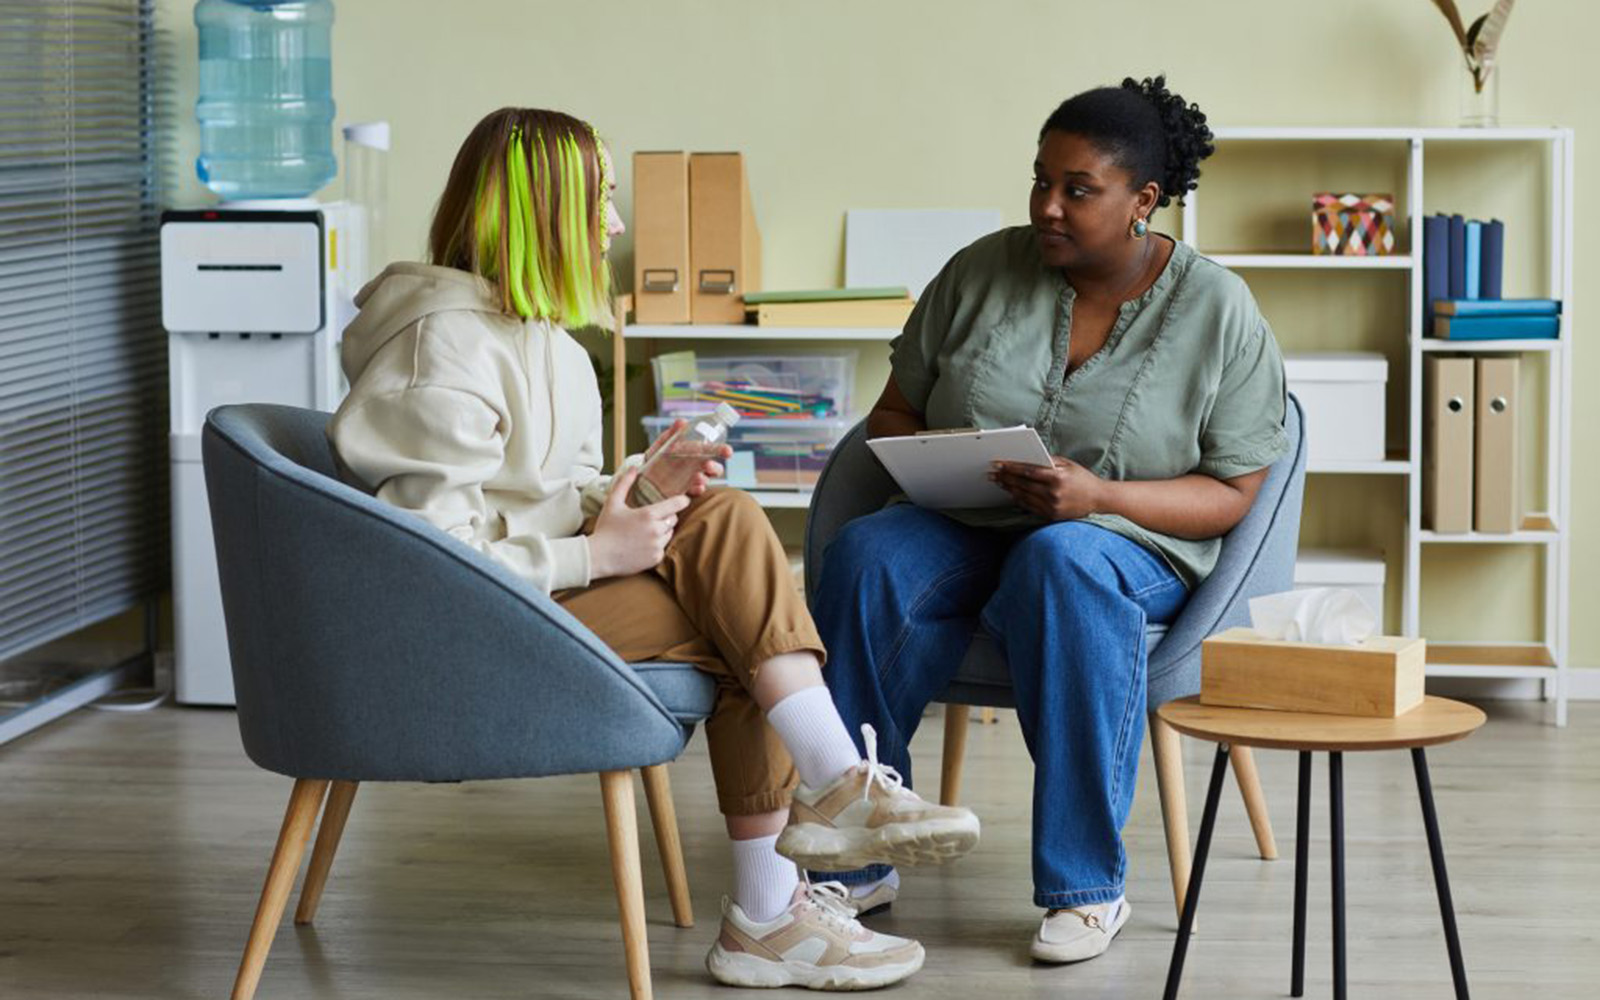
[1441, 880]
[1302, 838]
[1191, 893]
[1336, 832]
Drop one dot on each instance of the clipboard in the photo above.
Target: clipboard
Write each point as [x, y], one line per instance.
[951, 470]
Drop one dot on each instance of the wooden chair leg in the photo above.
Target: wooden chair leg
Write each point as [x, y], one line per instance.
[1255, 802]
[664, 817]
[334, 814]
[1166, 746]
[622, 833]
[956, 718]
[297, 822]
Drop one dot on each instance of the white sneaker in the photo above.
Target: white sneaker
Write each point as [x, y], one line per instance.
[1079, 933]
[867, 816]
[816, 943]
[870, 898]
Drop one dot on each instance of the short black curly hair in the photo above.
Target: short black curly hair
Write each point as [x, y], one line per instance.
[1145, 128]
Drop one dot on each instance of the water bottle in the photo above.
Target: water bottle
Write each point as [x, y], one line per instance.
[672, 466]
[266, 97]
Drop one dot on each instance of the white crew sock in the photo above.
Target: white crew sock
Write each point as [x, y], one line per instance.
[763, 880]
[811, 729]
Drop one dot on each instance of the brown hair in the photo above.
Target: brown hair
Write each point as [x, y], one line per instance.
[525, 209]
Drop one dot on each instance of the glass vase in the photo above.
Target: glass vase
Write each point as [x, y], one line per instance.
[1480, 98]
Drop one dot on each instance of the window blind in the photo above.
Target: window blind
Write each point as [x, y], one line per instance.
[83, 382]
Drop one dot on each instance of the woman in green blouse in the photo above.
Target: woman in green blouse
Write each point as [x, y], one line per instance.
[1155, 382]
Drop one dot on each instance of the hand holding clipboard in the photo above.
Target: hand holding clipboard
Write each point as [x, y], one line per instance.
[951, 469]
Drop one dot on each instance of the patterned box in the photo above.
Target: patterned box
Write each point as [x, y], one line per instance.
[1352, 224]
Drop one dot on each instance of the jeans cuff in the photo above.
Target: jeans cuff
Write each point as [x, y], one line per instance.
[860, 876]
[1081, 897]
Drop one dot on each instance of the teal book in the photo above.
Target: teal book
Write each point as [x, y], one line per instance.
[1473, 264]
[1497, 327]
[1497, 307]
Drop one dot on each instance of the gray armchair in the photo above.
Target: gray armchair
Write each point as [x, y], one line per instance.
[1257, 558]
[369, 646]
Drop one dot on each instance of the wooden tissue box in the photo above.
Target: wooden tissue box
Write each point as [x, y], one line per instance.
[1379, 678]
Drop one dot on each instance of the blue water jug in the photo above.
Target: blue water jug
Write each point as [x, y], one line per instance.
[266, 97]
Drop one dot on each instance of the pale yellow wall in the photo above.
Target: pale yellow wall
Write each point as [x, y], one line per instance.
[862, 103]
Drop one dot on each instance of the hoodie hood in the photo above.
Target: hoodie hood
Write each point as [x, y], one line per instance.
[403, 294]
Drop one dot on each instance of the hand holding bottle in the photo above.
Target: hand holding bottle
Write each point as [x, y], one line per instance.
[710, 468]
[626, 539]
[685, 457]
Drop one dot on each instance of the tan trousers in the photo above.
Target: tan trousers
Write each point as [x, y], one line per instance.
[723, 600]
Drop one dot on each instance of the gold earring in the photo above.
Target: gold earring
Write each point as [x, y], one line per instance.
[1140, 229]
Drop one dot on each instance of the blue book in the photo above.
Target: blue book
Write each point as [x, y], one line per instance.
[1435, 262]
[1497, 327]
[1458, 257]
[1497, 307]
[1473, 264]
[1494, 253]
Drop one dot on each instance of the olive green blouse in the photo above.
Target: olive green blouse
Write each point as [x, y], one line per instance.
[1189, 380]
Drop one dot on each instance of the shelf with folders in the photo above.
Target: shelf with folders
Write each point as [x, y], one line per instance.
[1395, 465]
[1257, 197]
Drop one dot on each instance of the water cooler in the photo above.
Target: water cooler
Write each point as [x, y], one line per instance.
[255, 291]
[251, 310]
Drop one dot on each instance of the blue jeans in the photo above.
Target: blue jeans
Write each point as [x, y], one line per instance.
[902, 594]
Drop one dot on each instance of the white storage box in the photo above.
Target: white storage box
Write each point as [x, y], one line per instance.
[757, 385]
[784, 454]
[1343, 396]
[1361, 571]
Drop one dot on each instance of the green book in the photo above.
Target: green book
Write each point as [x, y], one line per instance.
[826, 295]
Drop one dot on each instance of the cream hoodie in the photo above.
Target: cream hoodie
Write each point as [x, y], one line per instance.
[484, 425]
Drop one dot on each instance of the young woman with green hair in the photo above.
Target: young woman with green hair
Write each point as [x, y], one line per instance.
[472, 407]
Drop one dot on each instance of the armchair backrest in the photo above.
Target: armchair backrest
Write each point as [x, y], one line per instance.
[1257, 556]
[368, 645]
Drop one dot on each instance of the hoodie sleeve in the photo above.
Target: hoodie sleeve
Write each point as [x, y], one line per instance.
[593, 492]
[592, 486]
[429, 450]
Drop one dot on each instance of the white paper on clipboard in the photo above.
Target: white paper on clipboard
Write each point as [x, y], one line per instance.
[944, 471]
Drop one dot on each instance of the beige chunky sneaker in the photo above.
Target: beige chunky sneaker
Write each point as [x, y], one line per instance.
[1080, 933]
[867, 816]
[816, 943]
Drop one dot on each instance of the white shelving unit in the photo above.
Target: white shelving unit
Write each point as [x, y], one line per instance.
[624, 332]
[1545, 660]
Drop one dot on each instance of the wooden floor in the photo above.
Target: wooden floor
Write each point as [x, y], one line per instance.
[132, 849]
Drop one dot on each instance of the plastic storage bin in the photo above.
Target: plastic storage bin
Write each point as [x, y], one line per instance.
[1360, 571]
[1343, 396]
[782, 454]
[759, 386]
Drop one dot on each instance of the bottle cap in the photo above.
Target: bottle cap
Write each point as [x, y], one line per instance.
[727, 414]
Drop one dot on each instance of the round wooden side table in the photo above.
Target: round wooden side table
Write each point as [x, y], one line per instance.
[1436, 720]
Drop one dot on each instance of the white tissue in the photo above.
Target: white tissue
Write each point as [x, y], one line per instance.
[1329, 615]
